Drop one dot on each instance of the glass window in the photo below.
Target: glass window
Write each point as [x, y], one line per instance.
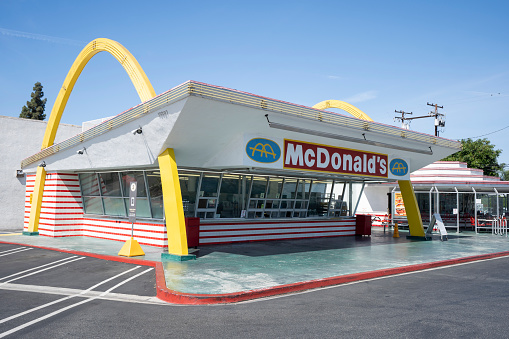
[274, 188]
[93, 205]
[188, 187]
[142, 207]
[127, 177]
[89, 184]
[156, 193]
[303, 189]
[230, 197]
[209, 185]
[110, 184]
[258, 187]
[289, 189]
[114, 207]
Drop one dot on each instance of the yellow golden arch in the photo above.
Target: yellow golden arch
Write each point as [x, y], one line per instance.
[345, 107]
[407, 191]
[177, 241]
[126, 59]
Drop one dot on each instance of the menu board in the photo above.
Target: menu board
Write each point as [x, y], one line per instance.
[399, 205]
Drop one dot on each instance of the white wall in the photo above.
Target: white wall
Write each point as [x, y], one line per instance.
[19, 139]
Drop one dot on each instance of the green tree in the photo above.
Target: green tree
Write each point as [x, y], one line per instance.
[34, 109]
[479, 154]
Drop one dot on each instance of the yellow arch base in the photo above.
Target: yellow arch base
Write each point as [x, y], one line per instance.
[138, 78]
[345, 107]
[173, 207]
[412, 209]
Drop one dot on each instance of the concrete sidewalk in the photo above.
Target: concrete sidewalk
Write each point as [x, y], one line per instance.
[234, 272]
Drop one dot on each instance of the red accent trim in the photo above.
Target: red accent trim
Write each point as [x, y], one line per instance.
[168, 295]
[93, 255]
[267, 234]
[120, 228]
[276, 239]
[267, 229]
[280, 222]
[123, 222]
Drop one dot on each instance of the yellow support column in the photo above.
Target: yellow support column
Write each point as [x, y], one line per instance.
[36, 202]
[173, 209]
[412, 209]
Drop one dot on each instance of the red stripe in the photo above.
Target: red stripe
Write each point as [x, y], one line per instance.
[124, 235]
[122, 221]
[166, 294]
[120, 228]
[267, 234]
[278, 222]
[275, 228]
[256, 240]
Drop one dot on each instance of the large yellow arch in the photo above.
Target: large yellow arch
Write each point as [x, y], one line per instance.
[345, 107]
[126, 59]
[138, 78]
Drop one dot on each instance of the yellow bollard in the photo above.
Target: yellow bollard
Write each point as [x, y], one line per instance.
[396, 232]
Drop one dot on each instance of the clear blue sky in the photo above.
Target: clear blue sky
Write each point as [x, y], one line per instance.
[380, 56]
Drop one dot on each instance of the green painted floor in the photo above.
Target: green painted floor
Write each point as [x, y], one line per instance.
[240, 267]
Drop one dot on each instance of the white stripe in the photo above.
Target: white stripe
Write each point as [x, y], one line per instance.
[14, 252]
[70, 306]
[31, 269]
[48, 268]
[129, 298]
[14, 249]
[62, 299]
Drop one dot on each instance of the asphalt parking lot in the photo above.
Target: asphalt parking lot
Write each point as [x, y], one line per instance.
[47, 293]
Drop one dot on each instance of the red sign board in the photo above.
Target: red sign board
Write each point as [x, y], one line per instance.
[321, 158]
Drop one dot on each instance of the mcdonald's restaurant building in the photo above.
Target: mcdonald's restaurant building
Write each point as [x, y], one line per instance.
[250, 168]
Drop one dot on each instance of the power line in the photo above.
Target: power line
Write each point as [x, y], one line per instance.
[489, 133]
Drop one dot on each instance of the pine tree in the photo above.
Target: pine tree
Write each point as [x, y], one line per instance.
[34, 109]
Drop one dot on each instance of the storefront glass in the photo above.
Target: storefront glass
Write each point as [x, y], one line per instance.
[210, 195]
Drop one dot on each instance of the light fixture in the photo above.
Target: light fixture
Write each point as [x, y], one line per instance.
[81, 151]
[137, 131]
[42, 164]
[20, 173]
[345, 138]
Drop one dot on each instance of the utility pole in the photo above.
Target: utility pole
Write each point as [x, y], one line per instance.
[439, 122]
[405, 125]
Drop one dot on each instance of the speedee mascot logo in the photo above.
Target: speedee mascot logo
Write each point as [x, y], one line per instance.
[263, 150]
[398, 167]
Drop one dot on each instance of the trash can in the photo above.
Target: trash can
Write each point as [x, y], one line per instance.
[362, 224]
[193, 232]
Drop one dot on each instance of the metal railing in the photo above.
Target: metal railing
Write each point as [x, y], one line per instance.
[193, 88]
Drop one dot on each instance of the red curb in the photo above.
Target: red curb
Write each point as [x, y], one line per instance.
[175, 297]
[93, 255]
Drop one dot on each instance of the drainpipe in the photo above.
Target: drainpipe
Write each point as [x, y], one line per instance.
[457, 210]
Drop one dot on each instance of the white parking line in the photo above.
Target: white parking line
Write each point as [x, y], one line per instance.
[16, 329]
[66, 298]
[14, 252]
[45, 269]
[14, 249]
[34, 268]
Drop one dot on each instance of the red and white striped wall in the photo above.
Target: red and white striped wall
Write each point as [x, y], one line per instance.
[61, 210]
[62, 215]
[229, 232]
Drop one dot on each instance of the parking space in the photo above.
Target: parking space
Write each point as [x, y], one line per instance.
[37, 284]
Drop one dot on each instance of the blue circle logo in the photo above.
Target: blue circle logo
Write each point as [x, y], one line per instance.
[263, 150]
[398, 167]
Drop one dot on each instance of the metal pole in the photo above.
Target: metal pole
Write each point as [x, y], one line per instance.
[457, 210]
[475, 208]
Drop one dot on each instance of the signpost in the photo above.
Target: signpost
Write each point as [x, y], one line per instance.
[131, 247]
